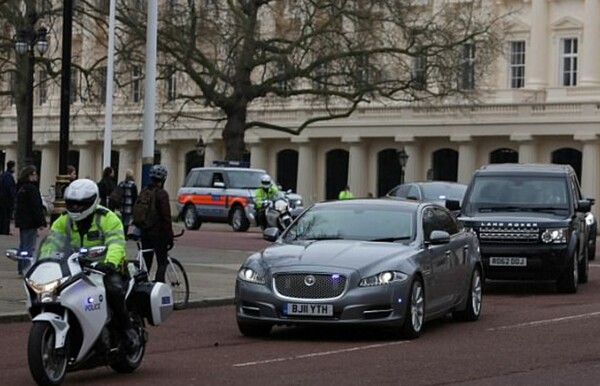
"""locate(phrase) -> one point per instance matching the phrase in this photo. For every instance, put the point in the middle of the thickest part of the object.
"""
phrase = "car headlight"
(250, 275)
(383, 278)
(556, 235)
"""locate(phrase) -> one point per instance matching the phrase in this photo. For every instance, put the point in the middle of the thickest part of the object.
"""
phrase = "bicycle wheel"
(176, 277)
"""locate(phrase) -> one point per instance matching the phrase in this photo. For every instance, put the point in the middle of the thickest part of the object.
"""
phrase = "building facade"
(545, 107)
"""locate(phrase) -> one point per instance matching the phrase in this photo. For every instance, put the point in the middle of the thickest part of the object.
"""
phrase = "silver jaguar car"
(381, 262)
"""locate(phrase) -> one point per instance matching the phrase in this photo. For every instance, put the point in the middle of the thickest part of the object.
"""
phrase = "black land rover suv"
(530, 220)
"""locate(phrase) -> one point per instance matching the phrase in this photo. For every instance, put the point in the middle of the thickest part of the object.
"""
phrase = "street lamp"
(25, 41)
(402, 158)
(200, 147)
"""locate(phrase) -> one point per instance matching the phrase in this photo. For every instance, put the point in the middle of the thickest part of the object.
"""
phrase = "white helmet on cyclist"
(81, 198)
(265, 181)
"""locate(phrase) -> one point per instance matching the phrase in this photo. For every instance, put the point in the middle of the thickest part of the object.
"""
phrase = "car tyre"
(239, 221)
(254, 330)
(414, 317)
(191, 220)
(474, 299)
(567, 282)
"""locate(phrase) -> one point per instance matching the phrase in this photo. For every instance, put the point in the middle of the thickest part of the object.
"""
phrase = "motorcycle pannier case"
(154, 301)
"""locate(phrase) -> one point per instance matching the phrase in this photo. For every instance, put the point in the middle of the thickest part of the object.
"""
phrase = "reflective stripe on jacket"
(106, 229)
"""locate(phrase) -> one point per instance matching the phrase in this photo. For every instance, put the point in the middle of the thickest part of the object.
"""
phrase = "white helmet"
(81, 198)
(265, 181)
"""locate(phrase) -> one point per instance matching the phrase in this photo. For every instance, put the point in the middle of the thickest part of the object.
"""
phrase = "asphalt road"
(527, 335)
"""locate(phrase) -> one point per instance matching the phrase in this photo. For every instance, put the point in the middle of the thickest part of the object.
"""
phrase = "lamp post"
(402, 158)
(25, 41)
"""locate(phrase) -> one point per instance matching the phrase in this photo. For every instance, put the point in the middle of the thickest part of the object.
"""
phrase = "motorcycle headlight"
(38, 288)
(556, 235)
(383, 278)
(250, 275)
(280, 205)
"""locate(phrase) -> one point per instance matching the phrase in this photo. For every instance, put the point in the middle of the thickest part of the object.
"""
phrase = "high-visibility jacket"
(106, 229)
(345, 194)
(261, 195)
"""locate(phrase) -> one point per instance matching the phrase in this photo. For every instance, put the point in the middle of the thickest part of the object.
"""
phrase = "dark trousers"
(159, 245)
(6, 213)
(115, 285)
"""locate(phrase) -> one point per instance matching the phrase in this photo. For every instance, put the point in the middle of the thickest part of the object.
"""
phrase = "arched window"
(504, 155)
(287, 169)
(568, 156)
(388, 171)
(445, 165)
(336, 175)
(193, 159)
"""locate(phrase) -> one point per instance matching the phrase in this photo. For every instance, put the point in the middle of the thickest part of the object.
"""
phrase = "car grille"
(499, 232)
(310, 286)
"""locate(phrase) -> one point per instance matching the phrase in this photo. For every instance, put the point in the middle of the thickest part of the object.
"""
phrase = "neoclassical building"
(545, 107)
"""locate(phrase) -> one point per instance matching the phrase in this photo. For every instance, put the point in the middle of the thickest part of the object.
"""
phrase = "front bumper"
(544, 262)
(377, 306)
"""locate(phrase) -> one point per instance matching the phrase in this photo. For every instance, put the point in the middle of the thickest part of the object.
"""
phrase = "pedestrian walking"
(152, 215)
(72, 173)
(8, 192)
(29, 214)
(105, 186)
(124, 196)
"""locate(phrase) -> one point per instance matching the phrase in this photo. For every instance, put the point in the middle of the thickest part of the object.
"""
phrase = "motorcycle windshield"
(49, 270)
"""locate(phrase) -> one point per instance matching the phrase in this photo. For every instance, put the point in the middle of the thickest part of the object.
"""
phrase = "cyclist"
(261, 197)
(87, 224)
(158, 236)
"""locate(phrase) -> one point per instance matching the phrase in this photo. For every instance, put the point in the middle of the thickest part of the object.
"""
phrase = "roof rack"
(230, 163)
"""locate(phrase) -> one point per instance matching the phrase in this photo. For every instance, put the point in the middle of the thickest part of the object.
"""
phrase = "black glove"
(105, 267)
(169, 244)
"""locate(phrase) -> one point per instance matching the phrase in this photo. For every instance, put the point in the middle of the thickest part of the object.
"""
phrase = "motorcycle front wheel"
(47, 365)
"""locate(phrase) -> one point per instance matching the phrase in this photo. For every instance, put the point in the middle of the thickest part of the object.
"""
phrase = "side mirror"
(12, 254)
(218, 184)
(271, 234)
(439, 237)
(591, 200)
(452, 205)
(584, 206)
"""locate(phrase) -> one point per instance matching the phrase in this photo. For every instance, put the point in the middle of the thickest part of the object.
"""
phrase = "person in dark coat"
(29, 214)
(159, 237)
(130, 193)
(106, 185)
(8, 191)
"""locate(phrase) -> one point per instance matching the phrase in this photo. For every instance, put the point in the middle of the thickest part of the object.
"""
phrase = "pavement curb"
(19, 317)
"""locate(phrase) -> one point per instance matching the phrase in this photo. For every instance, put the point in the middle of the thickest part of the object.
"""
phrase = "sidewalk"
(211, 274)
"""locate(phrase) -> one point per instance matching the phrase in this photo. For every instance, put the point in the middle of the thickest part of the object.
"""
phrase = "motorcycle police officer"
(88, 224)
(261, 197)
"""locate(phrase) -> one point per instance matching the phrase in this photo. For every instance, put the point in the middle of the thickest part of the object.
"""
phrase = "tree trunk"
(233, 134)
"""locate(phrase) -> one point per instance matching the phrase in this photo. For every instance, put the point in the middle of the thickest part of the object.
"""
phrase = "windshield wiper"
(392, 239)
(547, 209)
(503, 209)
(319, 238)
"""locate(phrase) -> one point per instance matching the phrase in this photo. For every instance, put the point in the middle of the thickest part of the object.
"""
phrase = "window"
(73, 87)
(516, 57)
(43, 86)
(466, 80)
(419, 72)
(568, 62)
(136, 83)
(171, 84)
(102, 75)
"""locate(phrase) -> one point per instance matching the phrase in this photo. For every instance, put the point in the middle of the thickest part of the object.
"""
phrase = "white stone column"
(414, 167)
(357, 167)
(259, 158)
(589, 167)
(467, 158)
(211, 153)
(590, 55)
(307, 171)
(87, 162)
(49, 167)
(168, 160)
(527, 148)
(10, 155)
(537, 57)
(127, 160)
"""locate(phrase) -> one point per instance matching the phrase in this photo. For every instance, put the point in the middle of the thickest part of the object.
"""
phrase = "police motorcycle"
(72, 328)
(277, 212)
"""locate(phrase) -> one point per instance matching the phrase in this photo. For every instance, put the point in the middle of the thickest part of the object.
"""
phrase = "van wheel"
(239, 221)
(191, 220)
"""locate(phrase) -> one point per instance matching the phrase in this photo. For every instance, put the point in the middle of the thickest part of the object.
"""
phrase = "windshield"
(244, 179)
(514, 193)
(357, 222)
(434, 192)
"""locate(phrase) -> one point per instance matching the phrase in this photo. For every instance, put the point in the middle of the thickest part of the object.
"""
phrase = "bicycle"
(175, 274)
